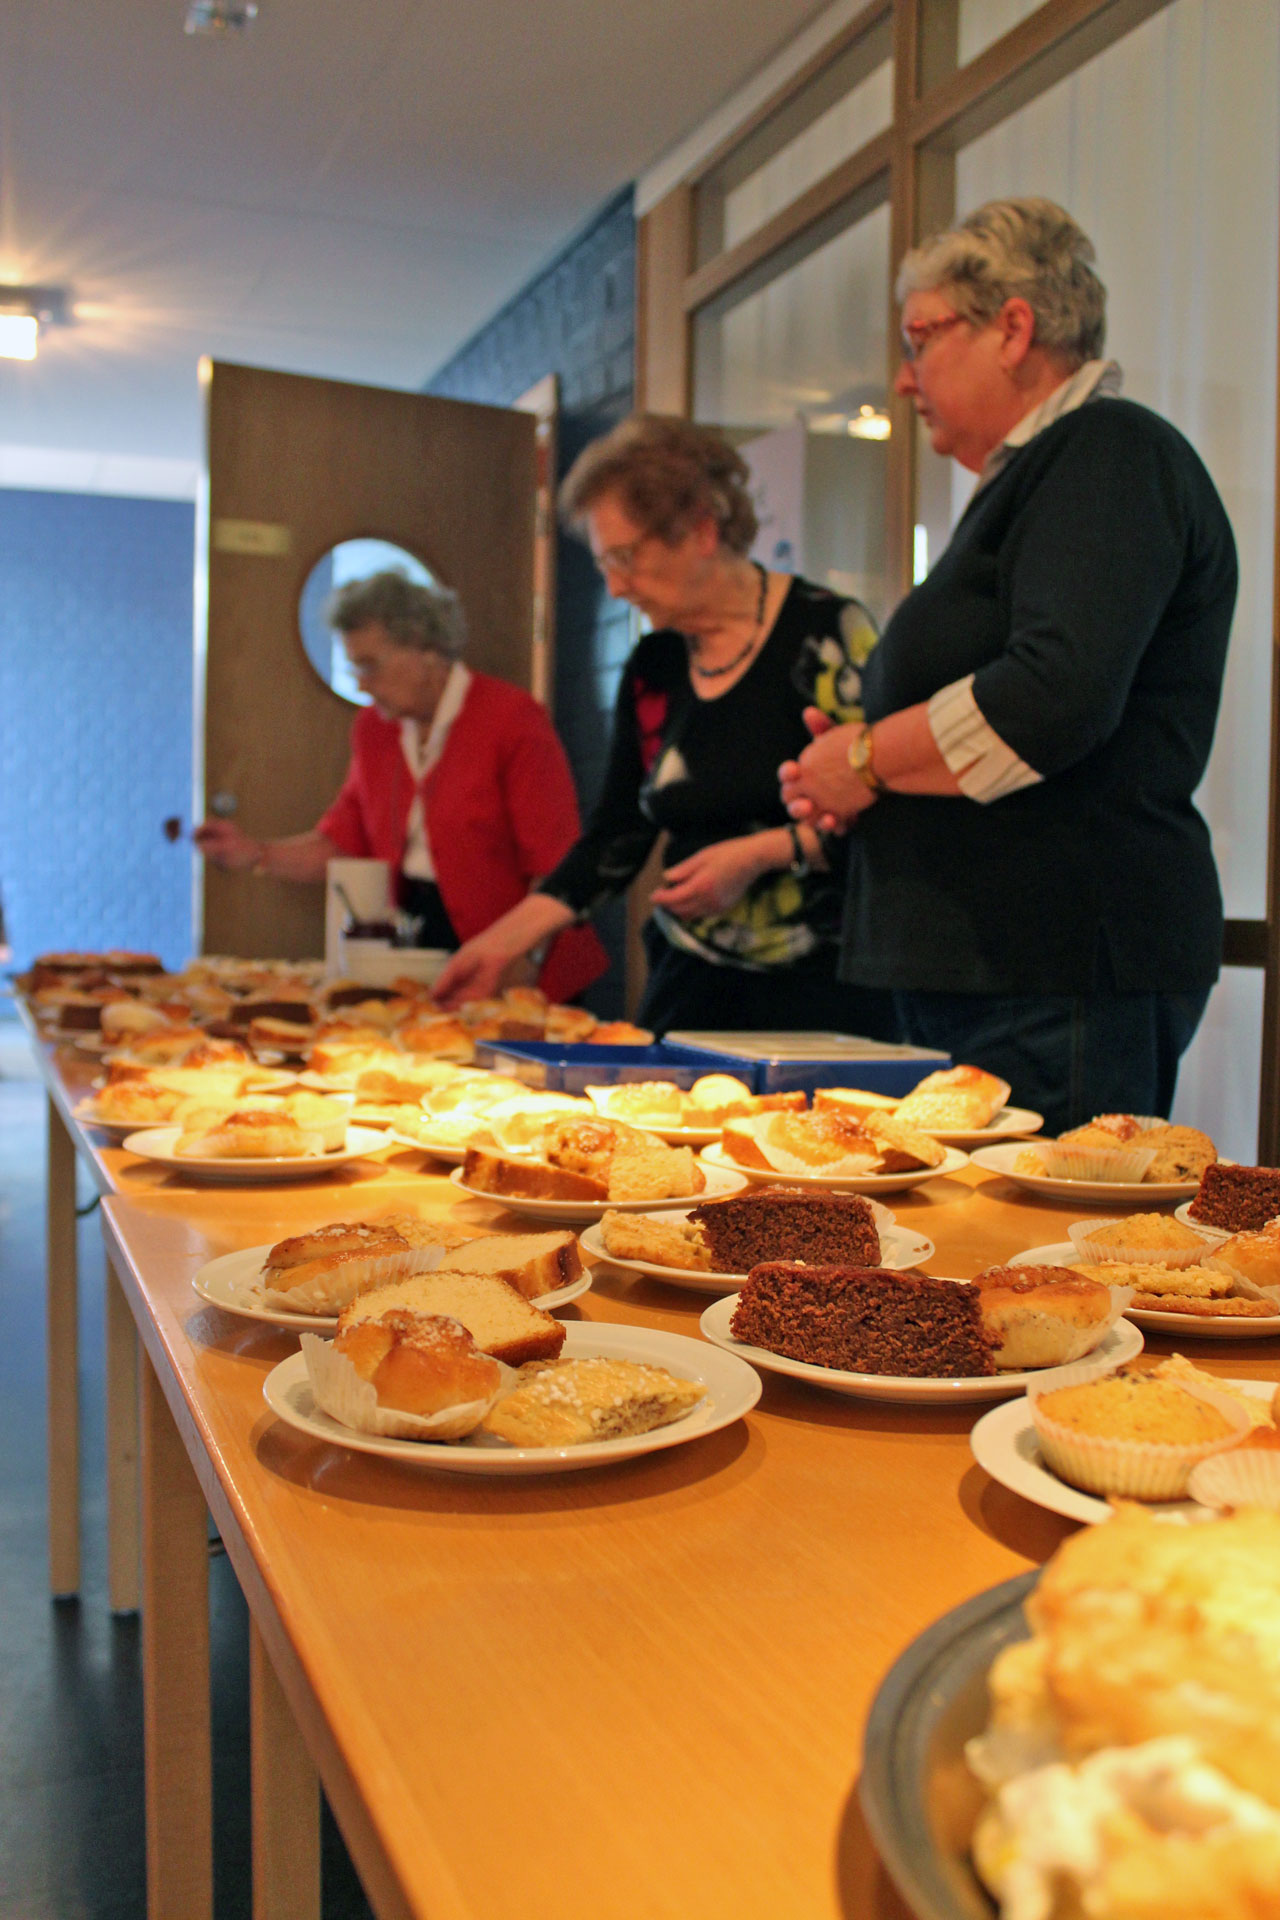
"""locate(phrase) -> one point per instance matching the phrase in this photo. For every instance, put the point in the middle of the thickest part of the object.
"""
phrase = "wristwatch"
(862, 760)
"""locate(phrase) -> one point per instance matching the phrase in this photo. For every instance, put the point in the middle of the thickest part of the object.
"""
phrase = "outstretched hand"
(226, 844)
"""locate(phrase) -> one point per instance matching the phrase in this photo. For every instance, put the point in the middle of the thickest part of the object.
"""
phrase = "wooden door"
(293, 466)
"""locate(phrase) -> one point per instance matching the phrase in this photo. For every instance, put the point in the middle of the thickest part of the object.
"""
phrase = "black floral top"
(707, 770)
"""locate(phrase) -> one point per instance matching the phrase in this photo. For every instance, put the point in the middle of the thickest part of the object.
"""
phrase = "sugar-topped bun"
(419, 1363)
(340, 1237)
(1043, 1316)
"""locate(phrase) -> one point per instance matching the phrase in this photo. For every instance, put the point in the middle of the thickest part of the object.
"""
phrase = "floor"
(71, 1810)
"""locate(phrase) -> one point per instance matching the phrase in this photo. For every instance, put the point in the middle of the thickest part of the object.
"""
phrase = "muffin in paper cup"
(1245, 1477)
(1069, 1162)
(1132, 1252)
(1130, 1469)
(353, 1402)
(335, 1288)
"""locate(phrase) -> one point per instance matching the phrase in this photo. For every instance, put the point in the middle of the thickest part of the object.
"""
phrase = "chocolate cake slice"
(866, 1320)
(787, 1223)
(1237, 1199)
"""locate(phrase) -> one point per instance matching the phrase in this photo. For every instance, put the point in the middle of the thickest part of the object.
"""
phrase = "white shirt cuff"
(986, 768)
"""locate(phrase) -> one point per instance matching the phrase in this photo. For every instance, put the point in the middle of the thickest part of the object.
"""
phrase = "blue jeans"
(1067, 1056)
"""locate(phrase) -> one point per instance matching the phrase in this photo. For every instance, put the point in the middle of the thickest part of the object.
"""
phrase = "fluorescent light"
(19, 333)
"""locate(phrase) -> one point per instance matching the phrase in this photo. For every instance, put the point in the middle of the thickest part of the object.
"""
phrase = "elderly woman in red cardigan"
(456, 779)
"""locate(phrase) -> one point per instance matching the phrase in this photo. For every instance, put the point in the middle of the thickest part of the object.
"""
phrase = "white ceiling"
(348, 189)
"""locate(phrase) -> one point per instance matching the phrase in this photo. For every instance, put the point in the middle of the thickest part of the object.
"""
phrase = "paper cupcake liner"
(1245, 1477)
(329, 1293)
(1252, 1289)
(1094, 1163)
(1132, 1252)
(1134, 1469)
(347, 1398)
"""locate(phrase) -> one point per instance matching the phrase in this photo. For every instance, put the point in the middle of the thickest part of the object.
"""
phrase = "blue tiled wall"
(576, 319)
(95, 721)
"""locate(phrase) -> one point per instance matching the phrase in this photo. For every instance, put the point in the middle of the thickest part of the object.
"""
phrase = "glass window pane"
(842, 107)
(982, 21)
(799, 363)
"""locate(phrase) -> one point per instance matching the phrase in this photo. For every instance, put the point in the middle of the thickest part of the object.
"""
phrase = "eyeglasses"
(621, 559)
(916, 338)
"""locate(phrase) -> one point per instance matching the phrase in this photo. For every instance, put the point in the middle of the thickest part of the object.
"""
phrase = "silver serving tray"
(918, 1796)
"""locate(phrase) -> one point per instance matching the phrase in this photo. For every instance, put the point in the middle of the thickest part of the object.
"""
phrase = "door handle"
(223, 804)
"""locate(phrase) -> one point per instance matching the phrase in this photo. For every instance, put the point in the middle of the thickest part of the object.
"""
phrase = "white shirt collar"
(1095, 380)
(423, 753)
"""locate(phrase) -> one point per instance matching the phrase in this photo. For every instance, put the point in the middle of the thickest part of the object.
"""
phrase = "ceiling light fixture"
(220, 16)
(23, 311)
(870, 423)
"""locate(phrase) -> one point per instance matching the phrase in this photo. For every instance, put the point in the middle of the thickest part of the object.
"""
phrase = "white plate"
(1205, 1326)
(732, 1390)
(1090, 1192)
(228, 1282)
(1121, 1343)
(716, 1157)
(580, 1213)
(452, 1154)
(899, 1249)
(1004, 1442)
(157, 1143)
(1215, 1234)
(1011, 1123)
(84, 1116)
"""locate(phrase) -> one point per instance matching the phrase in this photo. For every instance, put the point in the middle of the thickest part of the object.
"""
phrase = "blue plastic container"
(559, 1068)
(785, 1063)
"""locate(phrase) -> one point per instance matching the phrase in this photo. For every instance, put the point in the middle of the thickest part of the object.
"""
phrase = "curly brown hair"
(667, 474)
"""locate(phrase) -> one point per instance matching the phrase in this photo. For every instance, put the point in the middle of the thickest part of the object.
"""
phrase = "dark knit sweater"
(1089, 589)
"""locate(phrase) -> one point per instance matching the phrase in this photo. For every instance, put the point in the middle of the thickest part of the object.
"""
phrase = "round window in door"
(349, 560)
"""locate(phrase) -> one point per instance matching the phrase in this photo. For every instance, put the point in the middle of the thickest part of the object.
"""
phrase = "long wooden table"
(637, 1690)
(68, 1074)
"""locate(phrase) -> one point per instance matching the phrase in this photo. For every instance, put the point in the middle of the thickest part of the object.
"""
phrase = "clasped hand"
(821, 787)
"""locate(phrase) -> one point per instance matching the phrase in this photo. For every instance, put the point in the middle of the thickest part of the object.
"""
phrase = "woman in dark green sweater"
(1028, 871)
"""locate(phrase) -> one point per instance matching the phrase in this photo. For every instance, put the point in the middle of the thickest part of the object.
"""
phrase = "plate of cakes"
(1184, 1281)
(922, 1339)
(583, 1165)
(252, 1144)
(1115, 1157)
(1232, 1199)
(307, 1280)
(1161, 1436)
(960, 1106)
(478, 1380)
(712, 1247)
(490, 1117)
(687, 1117)
(1099, 1736)
(825, 1147)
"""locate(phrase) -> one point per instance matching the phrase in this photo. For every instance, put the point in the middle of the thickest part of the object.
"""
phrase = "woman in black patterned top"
(745, 923)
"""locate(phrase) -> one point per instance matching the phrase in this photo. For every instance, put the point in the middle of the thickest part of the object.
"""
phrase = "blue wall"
(576, 318)
(95, 721)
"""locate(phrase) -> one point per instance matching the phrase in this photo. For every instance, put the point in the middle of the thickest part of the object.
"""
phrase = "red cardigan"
(500, 812)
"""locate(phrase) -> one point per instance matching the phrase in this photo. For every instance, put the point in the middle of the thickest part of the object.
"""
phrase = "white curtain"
(1167, 150)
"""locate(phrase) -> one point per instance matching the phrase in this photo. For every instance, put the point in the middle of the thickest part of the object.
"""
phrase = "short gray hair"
(429, 619)
(1017, 250)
